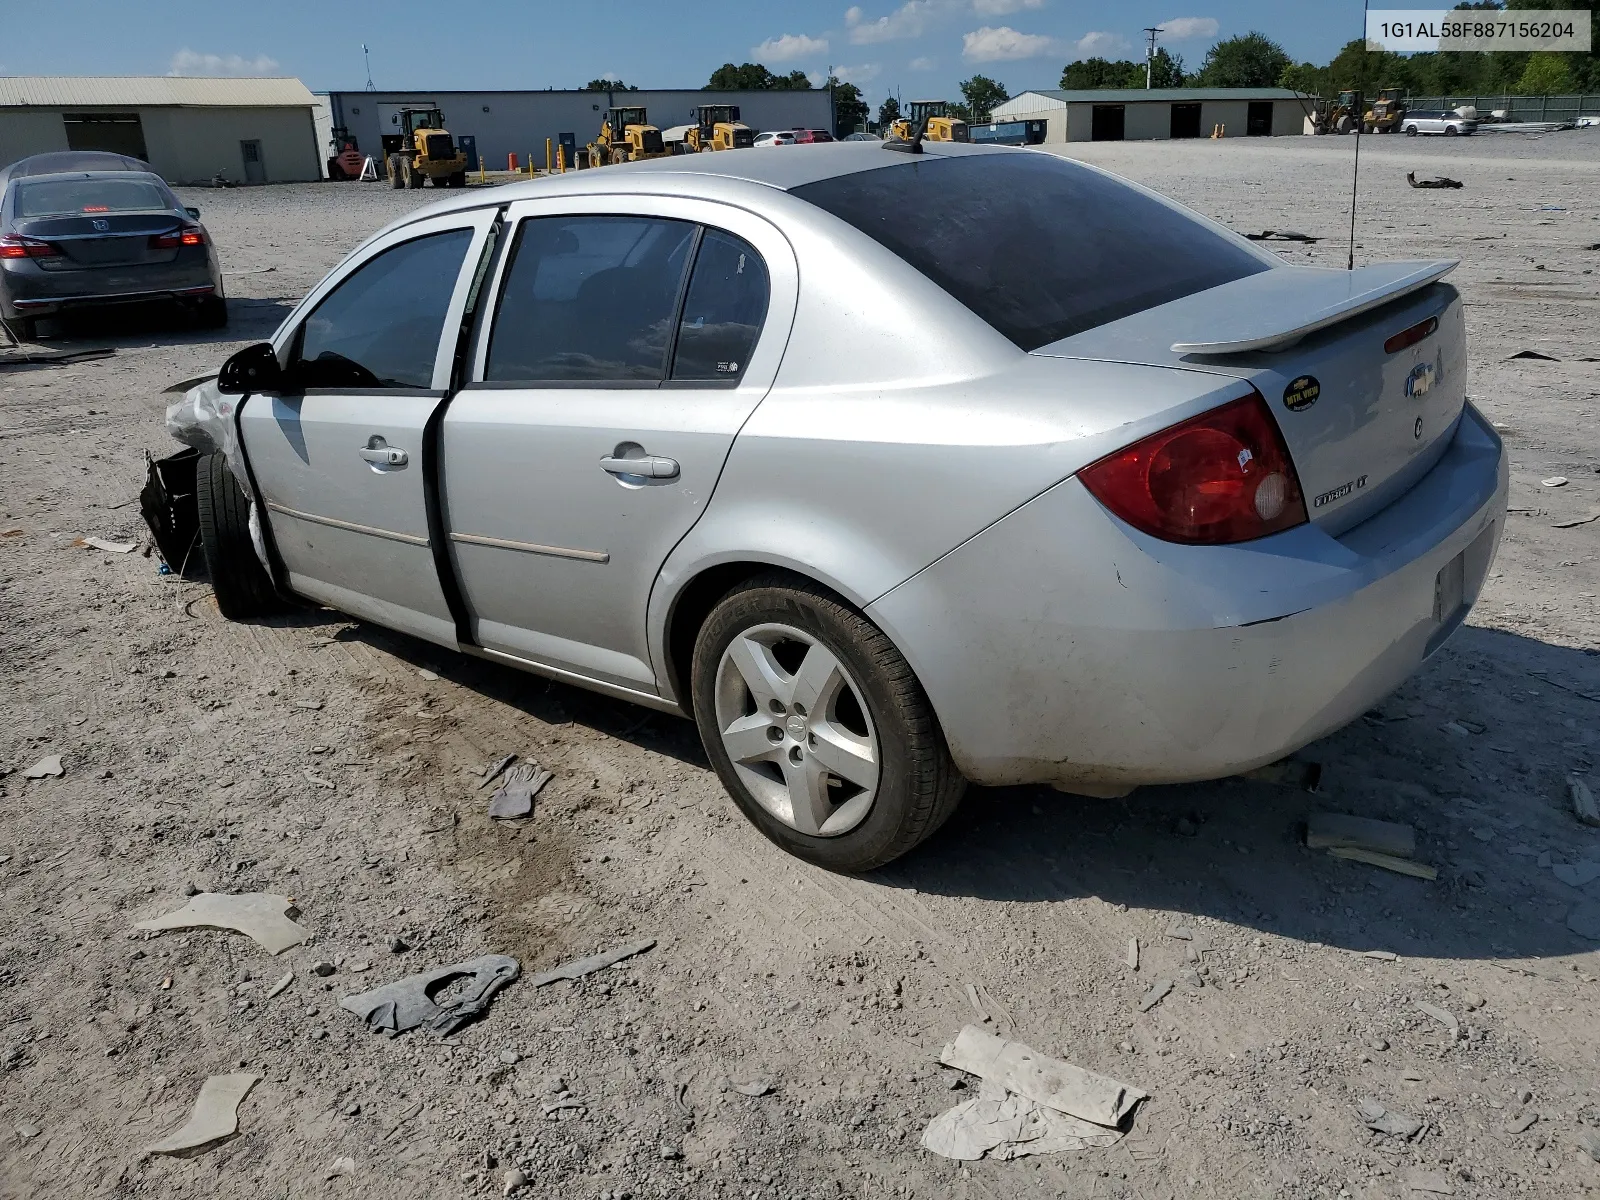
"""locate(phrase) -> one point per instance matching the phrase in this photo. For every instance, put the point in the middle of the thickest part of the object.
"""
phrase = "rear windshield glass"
(57, 197)
(1039, 247)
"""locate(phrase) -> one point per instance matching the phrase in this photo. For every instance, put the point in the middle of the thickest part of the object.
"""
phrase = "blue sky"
(920, 48)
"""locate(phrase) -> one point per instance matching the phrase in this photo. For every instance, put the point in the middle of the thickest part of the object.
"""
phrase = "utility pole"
(833, 113)
(1150, 52)
(367, 56)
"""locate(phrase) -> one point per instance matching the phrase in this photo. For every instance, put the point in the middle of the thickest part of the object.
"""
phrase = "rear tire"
(213, 313)
(242, 586)
(916, 785)
(1411, 131)
(1451, 131)
(26, 328)
(459, 179)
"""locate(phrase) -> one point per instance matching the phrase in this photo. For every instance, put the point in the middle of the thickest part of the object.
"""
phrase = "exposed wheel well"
(694, 605)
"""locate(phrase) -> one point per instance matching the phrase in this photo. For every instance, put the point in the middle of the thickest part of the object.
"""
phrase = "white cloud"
(907, 21)
(1181, 29)
(189, 62)
(1004, 44)
(860, 75)
(1000, 8)
(1102, 45)
(789, 47)
(922, 64)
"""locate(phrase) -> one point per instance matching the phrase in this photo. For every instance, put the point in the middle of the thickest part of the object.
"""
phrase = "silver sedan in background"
(892, 470)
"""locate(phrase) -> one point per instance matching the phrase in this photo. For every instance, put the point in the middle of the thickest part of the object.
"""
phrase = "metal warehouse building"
(502, 123)
(189, 130)
(1130, 114)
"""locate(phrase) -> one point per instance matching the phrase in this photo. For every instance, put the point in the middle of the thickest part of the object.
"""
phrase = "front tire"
(397, 179)
(818, 728)
(241, 584)
(1411, 131)
(1451, 131)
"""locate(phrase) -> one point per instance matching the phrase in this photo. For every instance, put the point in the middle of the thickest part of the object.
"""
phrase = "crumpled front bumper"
(1061, 646)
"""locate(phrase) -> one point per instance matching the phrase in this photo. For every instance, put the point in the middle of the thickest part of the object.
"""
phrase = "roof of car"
(71, 162)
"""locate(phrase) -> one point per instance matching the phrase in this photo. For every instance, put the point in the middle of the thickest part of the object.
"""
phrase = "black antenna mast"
(1355, 174)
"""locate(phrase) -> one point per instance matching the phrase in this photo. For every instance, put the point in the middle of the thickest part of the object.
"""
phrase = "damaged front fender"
(207, 421)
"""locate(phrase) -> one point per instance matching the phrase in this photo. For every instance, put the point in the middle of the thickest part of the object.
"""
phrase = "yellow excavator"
(424, 150)
(940, 127)
(625, 134)
(718, 127)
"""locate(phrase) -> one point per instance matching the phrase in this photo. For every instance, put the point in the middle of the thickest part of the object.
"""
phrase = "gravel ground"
(330, 761)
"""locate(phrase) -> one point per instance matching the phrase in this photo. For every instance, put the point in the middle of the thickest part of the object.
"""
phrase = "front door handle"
(380, 454)
(648, 467)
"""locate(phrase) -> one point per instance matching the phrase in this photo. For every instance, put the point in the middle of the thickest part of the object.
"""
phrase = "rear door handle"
(650, 467)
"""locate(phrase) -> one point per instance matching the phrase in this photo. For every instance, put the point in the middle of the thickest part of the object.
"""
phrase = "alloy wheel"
(794, 725)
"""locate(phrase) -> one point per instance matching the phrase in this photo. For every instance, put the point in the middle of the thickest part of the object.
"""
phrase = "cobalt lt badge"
(1420, 379)
(1301, 393)
(1416, 430)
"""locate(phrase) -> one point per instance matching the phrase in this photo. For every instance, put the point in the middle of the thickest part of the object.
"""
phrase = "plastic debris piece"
(1440, 182)
(407, 1003)
(1380, 955)
(214, 1118)
(1326, 830)
(1583, 802)
(1433, 1183)
(494, 771)
(411, 1111)
(977, 1003)
(1554, 481)
(1386, 1120)
(1157, 993)
(1589, 1142)
(1444, 1017)
(1402, 866)
(756, 1087)
(48, 766)
(1523, 1123)
(1012, 1127)
(258, 915)
(1281, 235)
(1048, 1081)
(275, 989)
(580, 967)
(1576, 521)
(338, 1167)
(1133, 953)
(1533, 354)
(108, 547)
(513, 799)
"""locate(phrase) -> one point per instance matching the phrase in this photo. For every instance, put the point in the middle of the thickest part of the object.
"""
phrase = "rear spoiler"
(1274, 309)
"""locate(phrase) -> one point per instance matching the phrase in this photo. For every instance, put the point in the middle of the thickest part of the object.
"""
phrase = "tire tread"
(242, 586)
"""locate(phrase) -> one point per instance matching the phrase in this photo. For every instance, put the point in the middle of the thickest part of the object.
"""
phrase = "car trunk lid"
(1364, 416)
(108, 240)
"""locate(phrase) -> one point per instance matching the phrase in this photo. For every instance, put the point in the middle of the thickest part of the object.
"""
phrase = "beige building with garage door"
(1136, 114)
(188, 130)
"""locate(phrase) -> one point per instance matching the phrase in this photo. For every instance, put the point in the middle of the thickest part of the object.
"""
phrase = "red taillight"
(1224, 476)
(188, 235)
(15, 246)
(1410, 337)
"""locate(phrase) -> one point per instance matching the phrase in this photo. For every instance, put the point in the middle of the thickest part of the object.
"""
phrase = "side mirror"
(193, 212)
(253, 369)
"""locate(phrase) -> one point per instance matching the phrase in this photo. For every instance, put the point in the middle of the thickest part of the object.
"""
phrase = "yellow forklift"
(934, 119)
(718, 127)
(625, 134)
(424, 150)
(1387, 111)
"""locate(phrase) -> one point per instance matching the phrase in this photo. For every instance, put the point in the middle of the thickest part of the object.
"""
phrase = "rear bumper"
(1061, 646)
(28, 290)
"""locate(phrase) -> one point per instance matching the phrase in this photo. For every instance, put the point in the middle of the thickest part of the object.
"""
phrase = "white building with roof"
(1140, 114)
(189, 130)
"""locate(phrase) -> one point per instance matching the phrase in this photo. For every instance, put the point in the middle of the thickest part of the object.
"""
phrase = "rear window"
(59, 197)
(1039, 247)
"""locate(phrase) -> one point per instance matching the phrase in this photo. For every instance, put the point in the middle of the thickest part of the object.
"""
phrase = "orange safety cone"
(511, 162)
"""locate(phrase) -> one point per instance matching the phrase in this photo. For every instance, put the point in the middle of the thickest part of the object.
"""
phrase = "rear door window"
(380, 327)
(1039, 247)
(723, 311)
(64, 197)
(589, 299)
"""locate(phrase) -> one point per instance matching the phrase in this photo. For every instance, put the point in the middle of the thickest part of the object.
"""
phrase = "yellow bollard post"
(561, 159)
(482, 177)
(531, 167)
(547, 159)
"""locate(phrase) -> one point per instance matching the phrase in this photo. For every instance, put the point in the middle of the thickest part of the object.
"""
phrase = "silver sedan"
(890, 469)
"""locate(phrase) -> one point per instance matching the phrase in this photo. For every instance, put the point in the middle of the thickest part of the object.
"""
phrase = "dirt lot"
(323, 759)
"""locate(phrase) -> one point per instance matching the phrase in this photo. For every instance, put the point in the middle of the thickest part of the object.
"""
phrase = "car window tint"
(380, 327)
(59, 197)
(1039, 247)
(723, 311)
(589, 299)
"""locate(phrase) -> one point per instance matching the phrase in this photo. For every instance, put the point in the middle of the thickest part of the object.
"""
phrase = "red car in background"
(805, 137)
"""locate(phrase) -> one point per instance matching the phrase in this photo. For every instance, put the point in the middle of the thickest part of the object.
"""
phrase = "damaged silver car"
(1069, 486)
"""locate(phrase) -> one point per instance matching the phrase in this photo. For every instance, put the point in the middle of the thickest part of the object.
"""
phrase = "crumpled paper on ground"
(1005, 1126)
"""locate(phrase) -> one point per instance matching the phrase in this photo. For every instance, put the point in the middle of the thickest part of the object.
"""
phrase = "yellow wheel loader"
(1387, 111)
(717, 127)
(424, 150)
(934, 119)
(625, 134)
